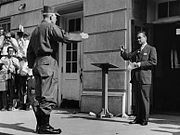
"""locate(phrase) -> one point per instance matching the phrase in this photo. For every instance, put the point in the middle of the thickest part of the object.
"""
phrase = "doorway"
(166, 85)
(71, 60)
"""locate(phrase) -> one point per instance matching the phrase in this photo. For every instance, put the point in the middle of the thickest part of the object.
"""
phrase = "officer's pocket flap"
(45, 71)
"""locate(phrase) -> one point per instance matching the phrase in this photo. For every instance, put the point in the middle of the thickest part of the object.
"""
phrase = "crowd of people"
(14, 71)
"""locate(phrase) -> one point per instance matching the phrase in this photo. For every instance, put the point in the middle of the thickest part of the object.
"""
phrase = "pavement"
(72, 122)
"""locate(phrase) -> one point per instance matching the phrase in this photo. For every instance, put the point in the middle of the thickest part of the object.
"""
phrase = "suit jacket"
(148, 59)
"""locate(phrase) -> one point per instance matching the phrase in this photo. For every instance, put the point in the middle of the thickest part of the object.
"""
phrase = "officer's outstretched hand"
(84, 35)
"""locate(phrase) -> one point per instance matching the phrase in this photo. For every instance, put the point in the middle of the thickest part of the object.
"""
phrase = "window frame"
(7, 23)
(70, 63)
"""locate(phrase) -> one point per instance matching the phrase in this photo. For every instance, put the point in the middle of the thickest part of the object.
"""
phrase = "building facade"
(110, 25)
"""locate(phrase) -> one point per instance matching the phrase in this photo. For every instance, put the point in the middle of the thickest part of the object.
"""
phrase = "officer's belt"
(44, 54)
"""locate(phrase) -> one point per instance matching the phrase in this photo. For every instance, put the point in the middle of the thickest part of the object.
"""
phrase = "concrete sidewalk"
(73, 123)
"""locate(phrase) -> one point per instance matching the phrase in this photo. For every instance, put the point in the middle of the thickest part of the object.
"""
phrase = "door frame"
(62, 55)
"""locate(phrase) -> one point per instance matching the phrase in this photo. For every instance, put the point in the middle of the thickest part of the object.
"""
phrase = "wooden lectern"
(105, 67)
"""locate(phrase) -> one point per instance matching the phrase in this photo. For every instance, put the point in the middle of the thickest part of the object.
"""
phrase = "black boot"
(38, 117)
(38, 123)
(46, 128)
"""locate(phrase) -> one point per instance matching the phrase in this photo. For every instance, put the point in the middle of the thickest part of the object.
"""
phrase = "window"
(175, 50)
(163, 10)
(174, 8)
(74, 25)
(5, 23)
(71, 58)
(168, 9)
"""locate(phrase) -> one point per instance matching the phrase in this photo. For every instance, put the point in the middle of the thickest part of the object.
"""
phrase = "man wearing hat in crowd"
(41, 53)
(21, 78)
(23, 42)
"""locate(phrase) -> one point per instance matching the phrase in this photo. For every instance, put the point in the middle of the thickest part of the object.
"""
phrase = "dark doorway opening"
(166, 85)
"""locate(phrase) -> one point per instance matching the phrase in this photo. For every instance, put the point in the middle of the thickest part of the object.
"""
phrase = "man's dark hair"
(20, 34)
(13, 35)
(143, 32)
(46, 15)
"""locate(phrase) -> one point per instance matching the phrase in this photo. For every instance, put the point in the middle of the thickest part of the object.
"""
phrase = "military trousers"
(45, 72)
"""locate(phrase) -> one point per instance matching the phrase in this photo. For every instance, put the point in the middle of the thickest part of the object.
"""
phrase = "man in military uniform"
(41, 52)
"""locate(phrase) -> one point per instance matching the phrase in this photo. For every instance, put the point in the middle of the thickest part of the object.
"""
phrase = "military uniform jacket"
(45, 41)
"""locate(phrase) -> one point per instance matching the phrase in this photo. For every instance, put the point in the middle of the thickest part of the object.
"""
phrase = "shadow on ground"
(170, 123)
(165, 119)
(164, 131)
(16, 126)
(157, 118)
(1, 133)
(73, 113)
(94, 118)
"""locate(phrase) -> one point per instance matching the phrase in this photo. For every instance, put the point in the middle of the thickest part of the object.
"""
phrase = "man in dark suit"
(142, 61)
